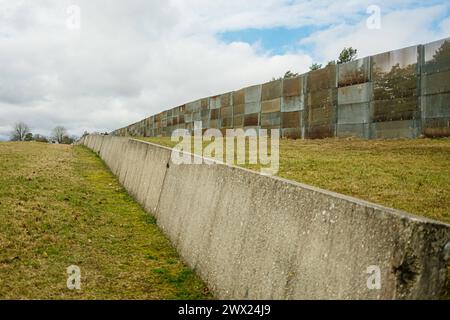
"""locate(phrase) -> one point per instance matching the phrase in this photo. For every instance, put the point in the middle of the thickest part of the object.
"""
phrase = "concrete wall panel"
(395, 129)
(355, 94)
(256, 237)
(354, 113)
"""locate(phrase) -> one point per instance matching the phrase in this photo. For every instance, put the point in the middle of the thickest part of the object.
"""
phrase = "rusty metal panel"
(394, 110)
(204, 103)
(193, 106)
(227, 122)
(269, 120)
(206, 113)
(226, 112)
(293, 103)
(321, 115)
(353, 113)
(354, 72)
(238, 109)
(252, 107)
(238, 121)
(214, 124)
(214, 102)
(226, 100)
(322, 79)
(271, 105)
(215, 114)
(253, 94)
(358, 130)
(355, 94)
(436, 83)
(197, 116)
(436, 56)
(395, 129)
(326, 97)
(239, 97)
(290, 119)
(188, 117)
(251, 120)
(271, 90)
(294, 86)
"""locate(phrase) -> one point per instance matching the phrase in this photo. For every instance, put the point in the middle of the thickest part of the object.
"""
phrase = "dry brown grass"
(60, 206)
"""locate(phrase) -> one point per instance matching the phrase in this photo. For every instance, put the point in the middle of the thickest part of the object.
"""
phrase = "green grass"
(60, 206)
(410, 175)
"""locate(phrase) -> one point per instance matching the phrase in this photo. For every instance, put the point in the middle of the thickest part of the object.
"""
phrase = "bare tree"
(20, 132)
(59, 133)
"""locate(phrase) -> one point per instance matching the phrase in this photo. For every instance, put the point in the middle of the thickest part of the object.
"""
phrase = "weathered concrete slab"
(271, 90)
(290, 119)
(353, 113)
(269, 106)
(251, 120)
(270, 119)
(436, 56)
(354, 72)
(357, 130)
(252, 107)
(395, 129)
(436, 83)
(435, 106)
(293, 103)
(322, 79)
(294, 86)
(253, 94)
(358, 93)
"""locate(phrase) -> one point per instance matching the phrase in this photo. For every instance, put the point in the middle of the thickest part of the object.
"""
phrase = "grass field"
(60, 206)
(410, 175)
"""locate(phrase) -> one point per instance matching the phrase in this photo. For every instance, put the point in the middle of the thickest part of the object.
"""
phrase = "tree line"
(22, 132)
(347, 55)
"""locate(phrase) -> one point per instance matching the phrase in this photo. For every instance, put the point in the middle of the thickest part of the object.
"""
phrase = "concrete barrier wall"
(398, 94)
(255, 237)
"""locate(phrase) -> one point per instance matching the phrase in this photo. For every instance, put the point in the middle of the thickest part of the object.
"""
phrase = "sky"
(99, 65)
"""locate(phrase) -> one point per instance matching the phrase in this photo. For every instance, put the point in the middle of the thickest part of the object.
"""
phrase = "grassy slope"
(410, 175)
(60, 206)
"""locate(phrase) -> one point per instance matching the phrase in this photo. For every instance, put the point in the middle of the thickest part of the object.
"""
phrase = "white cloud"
(399, 29)
(131, 59)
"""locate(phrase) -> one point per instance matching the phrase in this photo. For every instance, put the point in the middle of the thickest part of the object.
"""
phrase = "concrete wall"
(398, 94)
(256, 237)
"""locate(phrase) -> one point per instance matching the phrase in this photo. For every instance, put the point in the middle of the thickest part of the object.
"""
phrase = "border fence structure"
(403, 93)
